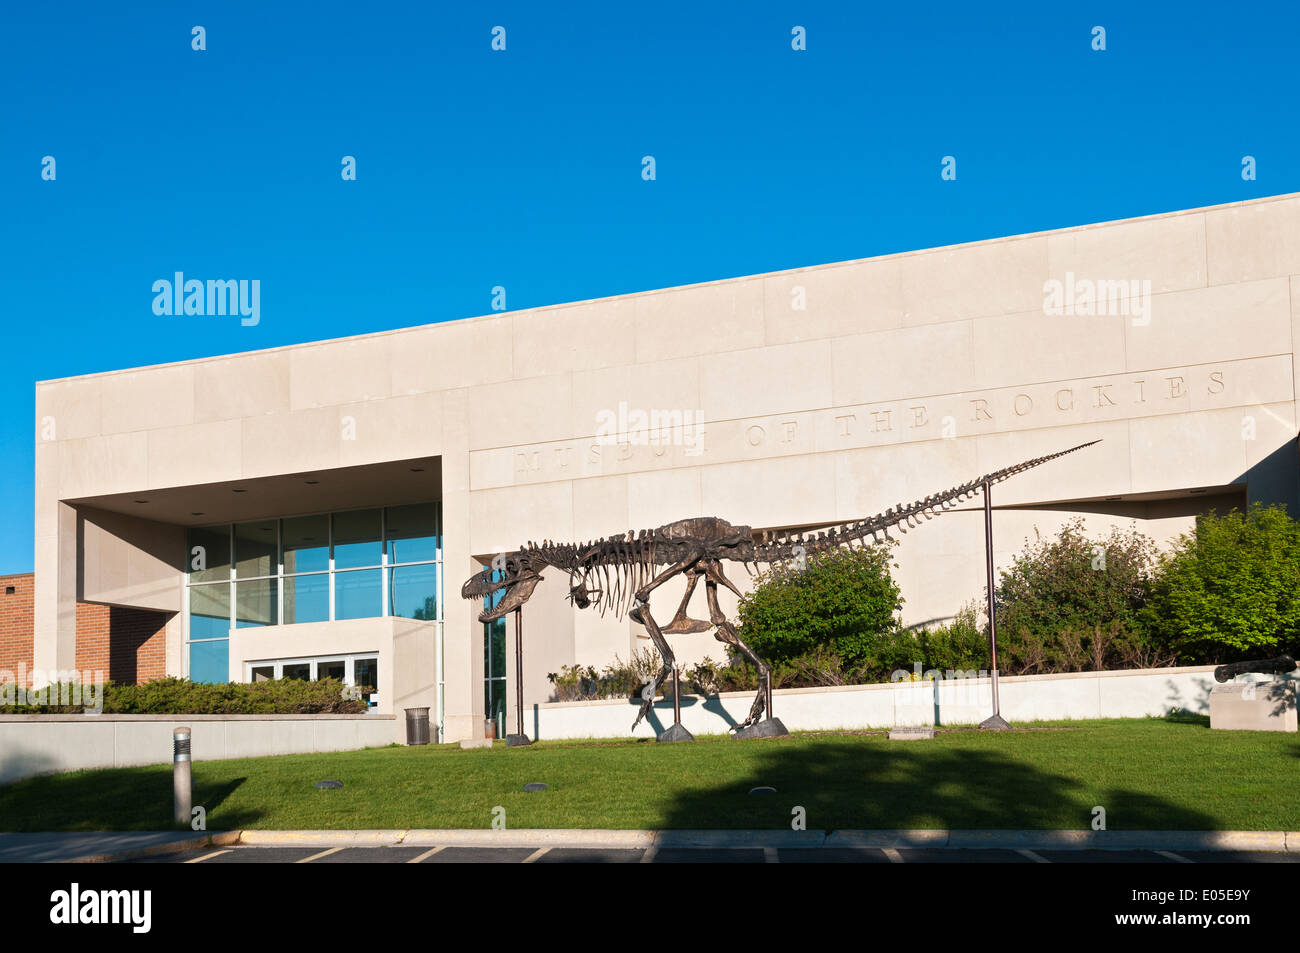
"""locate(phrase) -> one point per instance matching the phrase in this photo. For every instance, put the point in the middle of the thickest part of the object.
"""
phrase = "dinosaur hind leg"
(727, 633)
(665, 652)
(681, 623)
(640, 612)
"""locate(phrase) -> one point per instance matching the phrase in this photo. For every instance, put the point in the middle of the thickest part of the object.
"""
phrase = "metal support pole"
(994, 722)
(519, 738)
(677, 697)
(181, 779)
(767, 694)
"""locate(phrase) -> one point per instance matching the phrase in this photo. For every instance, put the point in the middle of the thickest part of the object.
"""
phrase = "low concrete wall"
(45, 744)
(1124, 694)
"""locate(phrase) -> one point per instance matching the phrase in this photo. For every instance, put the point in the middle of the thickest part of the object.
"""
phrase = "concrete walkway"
(108, 847)
(92, 847)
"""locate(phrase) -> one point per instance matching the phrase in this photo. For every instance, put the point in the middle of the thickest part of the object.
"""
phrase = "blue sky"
(522, 168)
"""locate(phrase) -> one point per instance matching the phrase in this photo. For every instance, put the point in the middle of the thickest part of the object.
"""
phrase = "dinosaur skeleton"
(619, 573)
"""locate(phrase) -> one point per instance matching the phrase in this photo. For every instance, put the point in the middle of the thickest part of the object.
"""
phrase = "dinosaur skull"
(515, 580)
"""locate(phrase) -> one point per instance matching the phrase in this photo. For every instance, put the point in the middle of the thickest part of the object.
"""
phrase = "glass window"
(255, 549)
(209, 553)
(210, 661)
(412, 533)
(494, 649)
(356, 539)
(300, 670)
(413, 592)
(306, 544)
(365, 676)
(210, 611)
(263, 673)
(494, 667)
(256, 602)
(358, 594)
(335, 668)
(306, 598)
(315, 568)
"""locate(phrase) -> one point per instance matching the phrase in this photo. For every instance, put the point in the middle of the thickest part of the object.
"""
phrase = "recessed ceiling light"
(142, 501)
(311, 482)
(238, 491)
(417, 469)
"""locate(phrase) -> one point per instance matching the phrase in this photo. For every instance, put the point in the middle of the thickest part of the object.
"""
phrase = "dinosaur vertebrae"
(780, 547)
(615, 568)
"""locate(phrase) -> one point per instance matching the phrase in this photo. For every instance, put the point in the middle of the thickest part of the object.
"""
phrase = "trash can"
(417, 726)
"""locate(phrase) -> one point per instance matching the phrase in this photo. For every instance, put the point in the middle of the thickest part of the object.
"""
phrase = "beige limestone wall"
(827, 392)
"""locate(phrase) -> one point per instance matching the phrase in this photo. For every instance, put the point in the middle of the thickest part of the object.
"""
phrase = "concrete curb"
(1276, 841)
(222, 839)
(1273, 841)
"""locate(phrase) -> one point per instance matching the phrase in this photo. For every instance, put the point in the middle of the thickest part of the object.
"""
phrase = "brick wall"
(127, 645)
(16, 624)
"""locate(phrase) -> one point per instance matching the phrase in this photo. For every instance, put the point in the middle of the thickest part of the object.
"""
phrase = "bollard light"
(181, 775)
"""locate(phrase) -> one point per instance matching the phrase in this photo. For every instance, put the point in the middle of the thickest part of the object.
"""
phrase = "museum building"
(314, 509)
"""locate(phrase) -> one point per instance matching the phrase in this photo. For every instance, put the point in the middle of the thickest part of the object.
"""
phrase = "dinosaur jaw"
(517, 592)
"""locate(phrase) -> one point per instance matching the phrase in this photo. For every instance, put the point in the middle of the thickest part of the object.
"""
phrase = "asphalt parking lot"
(748, 855)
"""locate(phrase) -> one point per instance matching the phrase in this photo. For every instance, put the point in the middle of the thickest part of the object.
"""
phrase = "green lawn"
(1171, 774)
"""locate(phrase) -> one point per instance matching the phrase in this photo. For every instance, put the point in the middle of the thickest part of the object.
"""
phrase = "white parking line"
(324, 853)
(894, 856)
(1036, 858)
(1172, 856)
(769, 856)
(535, 854)
(428, 853)
(208, 856)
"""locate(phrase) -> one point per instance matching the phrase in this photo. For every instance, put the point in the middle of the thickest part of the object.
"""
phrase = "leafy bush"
(179, 696)
(844, 602)
(1073, 583)
(1080, 650)
(960, 645)
(1231, 588)
(619, 679)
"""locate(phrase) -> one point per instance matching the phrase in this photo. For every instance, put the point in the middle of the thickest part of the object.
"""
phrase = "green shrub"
(1231, 588)
(619, 679)
(179, 696)
(1102, 648)
(960, 645)
(844, 601)
(1073, 583)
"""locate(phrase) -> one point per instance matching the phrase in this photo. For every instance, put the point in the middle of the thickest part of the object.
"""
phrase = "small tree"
(844, 600)
(1231, 587)
(1072, 583)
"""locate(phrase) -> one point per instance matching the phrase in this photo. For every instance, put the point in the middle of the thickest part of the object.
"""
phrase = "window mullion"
(383, 560)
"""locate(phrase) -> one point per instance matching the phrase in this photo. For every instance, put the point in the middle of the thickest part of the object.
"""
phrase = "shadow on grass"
(906, 786)
(1186, 718)
(120, 799)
